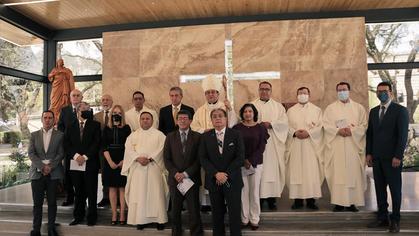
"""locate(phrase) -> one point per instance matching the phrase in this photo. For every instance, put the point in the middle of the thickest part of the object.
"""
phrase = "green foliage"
(20, 158)
(411, 155)
(12, 137)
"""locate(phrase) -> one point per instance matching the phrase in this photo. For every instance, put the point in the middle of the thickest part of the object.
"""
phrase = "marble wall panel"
(312, 53)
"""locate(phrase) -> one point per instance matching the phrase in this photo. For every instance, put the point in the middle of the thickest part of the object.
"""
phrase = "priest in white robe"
(345, 124)
(303, 157)
(202, 121)
(146, 192)
(132, 116)
(273, 116)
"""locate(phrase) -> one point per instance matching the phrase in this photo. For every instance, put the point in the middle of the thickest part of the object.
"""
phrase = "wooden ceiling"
(66, 14)
(17, 36)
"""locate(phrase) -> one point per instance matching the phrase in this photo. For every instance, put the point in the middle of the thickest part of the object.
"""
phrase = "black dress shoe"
(352, 208)
(378, 224)
(35, 233)
(394, 227)
(160, 226)
(296, 206)
(52, 232)
(75, 222)
(103, 203)
(272, 203)
(338, 208)
(312, 206)
(67, 203)
(254, 227)
(91, 222)
(140, 227)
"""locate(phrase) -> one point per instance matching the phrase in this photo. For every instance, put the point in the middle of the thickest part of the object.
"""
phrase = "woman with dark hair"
(255, 137)
(114, 136)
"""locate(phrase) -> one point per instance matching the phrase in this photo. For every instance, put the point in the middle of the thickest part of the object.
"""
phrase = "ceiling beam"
(22, 74)
(15, 18)
(371, 16)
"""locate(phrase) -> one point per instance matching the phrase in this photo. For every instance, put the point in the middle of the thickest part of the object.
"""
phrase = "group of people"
(216, 160)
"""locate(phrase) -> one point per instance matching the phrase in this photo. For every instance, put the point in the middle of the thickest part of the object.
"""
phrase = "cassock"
(273, 175)
(303, 157)
(146, 191)
(132, 118)
(344, 162)
(201, 122)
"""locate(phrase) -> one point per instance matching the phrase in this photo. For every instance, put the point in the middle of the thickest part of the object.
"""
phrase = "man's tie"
(219, 142)
(183, 140)
(382, 110)
(175, 111)
(106, 117)
(81, 129)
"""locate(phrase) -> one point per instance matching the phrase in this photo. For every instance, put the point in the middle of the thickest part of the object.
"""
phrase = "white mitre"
(211, 82)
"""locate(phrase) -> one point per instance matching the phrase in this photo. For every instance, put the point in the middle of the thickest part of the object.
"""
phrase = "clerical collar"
(264, 100)
(212, 103)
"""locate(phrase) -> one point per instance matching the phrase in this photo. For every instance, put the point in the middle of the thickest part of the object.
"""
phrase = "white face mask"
(302, 98)
(343, 95)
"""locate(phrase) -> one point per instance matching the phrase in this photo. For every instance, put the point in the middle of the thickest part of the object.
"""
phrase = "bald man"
(103, 117)
(68, 116)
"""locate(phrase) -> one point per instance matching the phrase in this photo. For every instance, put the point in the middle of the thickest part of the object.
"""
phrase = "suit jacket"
(230, 161)
(67, 118)
(387, 139)
(89, 144)
(166, 122)
(99, 117)
(55, 154)
(177, 161)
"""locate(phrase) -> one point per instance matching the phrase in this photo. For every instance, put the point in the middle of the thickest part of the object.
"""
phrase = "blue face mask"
(343, 95)
(383, 97)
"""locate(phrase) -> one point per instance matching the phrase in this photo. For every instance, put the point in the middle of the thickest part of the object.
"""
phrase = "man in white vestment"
(303, 157)
(273, 116)
(132, 116)
(146, 191)
(202, 121)
(345, 124)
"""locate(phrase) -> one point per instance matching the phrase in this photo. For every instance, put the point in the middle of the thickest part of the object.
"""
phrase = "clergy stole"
(341, 151)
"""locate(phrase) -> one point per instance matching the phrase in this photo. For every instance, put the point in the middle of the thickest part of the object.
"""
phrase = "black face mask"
(87, 114)
(116, 119)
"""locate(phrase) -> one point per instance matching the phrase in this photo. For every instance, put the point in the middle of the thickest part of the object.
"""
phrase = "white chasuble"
(344, 157)
(303, 157)
(146, 191)
(202, 120)
(273, 175)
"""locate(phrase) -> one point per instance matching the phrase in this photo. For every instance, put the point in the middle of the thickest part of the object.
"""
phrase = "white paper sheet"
(185, 185)
(74, 165)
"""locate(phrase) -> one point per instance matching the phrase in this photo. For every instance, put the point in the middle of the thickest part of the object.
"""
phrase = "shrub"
(12, 137)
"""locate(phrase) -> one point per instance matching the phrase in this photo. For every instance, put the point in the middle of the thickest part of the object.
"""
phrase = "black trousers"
(68, 183)
(231, 196)
(105, 189)
(192, 201)
(385, 175)
(85, 186)
(39, 187)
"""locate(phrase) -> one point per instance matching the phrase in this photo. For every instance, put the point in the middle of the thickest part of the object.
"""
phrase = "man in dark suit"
(68, 119)
(386, 141)
(167, 117)
(103, 117)
(222, 155)
(182, 161)
(84, 142)
(46, 152)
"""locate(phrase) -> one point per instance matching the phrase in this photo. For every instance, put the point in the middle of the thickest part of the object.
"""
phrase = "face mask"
(116, 119)
(87, 114)
(302, 98)
(383, 97)
(343, 95)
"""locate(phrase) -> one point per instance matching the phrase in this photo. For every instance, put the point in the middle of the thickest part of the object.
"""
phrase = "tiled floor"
(22, 195)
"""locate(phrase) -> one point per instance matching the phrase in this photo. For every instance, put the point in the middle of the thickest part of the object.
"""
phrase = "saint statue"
(62, 82)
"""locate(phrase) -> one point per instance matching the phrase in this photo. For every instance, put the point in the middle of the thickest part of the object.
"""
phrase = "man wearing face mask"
(84, 141)
(345, 123)
(303, 158)
(386, 140)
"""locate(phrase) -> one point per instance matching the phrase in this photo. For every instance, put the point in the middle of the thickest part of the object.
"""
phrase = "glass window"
(20, 49)
(406, 86)
(20, 113)
(392, 42)
(92, 93)
(82, 57)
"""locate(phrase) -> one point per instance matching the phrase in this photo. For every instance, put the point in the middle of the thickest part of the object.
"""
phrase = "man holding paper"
(84, 143)
(345, 123)
(46, 152)
(182, 162)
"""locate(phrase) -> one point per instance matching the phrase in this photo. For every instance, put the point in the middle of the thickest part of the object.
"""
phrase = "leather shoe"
(35, 233)
(75, 222)
(378, 224)
(352, 208)
(52, 232)
(338, 208)
(91, 222)
(67, 203)
(394, 227)
(141, 227)
(312, 206)
(160, 227)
